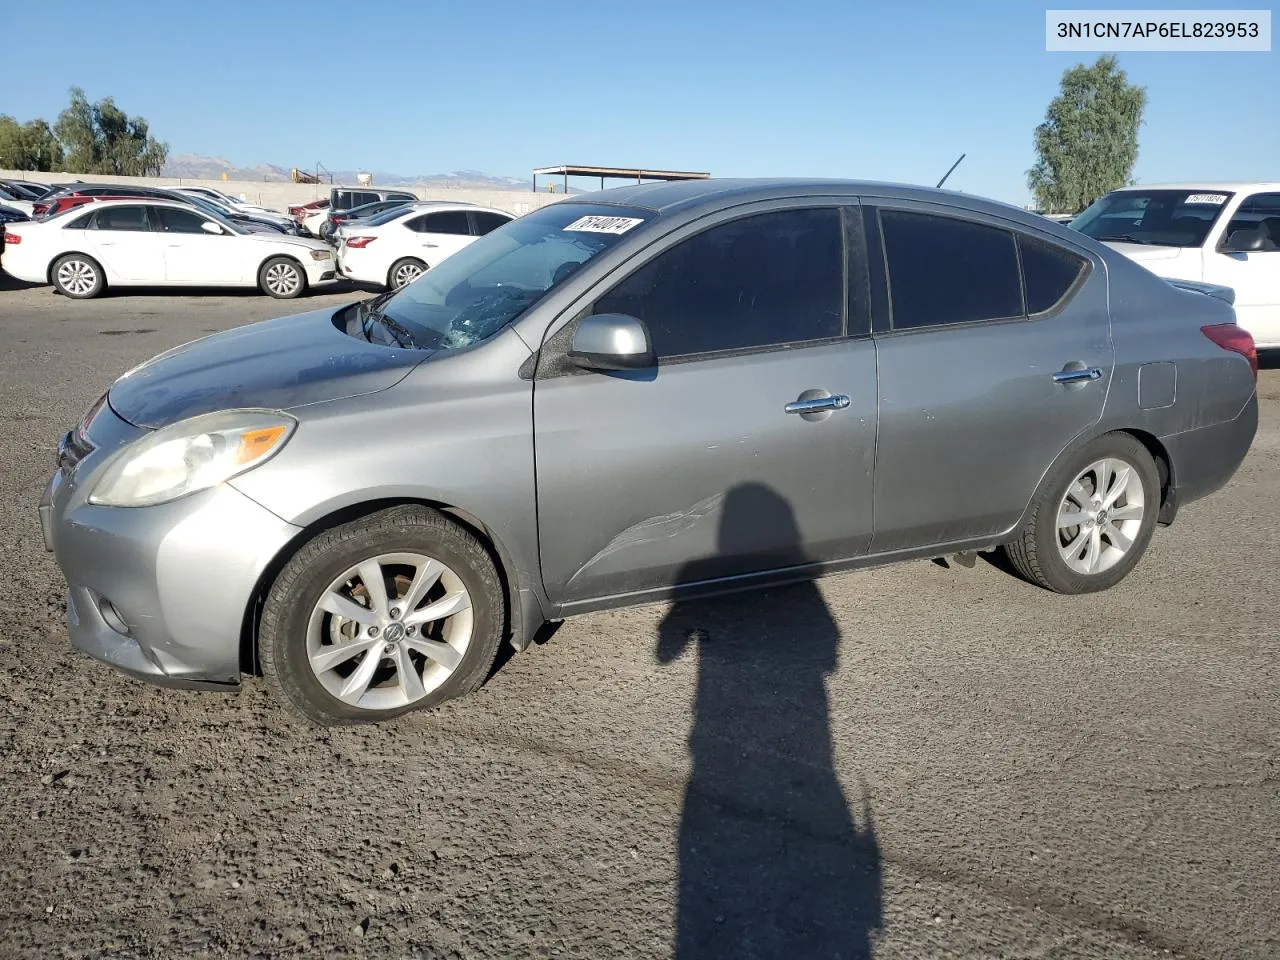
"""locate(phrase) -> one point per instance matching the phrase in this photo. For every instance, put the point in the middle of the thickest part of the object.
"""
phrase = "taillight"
(1230, 336)
(11, 239)
(359, 242)
(39, 209)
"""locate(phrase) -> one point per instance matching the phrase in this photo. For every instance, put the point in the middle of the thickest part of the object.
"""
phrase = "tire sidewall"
(319, 563)
(1115, 446)
(88, 261)
(265, 288)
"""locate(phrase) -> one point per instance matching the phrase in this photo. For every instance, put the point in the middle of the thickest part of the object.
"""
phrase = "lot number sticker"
(1217, 198)
(603, 224)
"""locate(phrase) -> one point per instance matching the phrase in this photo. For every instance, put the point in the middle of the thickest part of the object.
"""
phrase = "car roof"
(1234, 186)
(681, 195)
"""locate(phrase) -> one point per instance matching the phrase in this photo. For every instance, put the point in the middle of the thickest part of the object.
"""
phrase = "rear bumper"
(1204, 459)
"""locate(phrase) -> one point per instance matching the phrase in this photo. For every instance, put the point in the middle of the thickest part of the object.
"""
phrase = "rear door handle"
(431, 244)
(835, 402)
(1076, 376)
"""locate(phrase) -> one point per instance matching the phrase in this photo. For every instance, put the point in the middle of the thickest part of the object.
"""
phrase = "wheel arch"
(1154, 446)
(48, 271)
(257, 274)
(524, 611)
(391, 269)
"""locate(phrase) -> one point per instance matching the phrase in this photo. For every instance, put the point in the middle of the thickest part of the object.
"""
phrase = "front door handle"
(431, 244)
(835, 402)
(1076, 376)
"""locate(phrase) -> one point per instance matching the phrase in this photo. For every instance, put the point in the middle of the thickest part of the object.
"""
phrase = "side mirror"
(612, 341)
(210, 227)
(1245, 241)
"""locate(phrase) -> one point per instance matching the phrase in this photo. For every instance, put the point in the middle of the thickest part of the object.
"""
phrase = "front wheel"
(395, 612)
(282, 278)
(1092, 519)
(404, 272)
(78, 276)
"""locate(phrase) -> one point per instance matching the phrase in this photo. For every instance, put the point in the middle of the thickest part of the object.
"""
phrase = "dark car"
(72, 195)
(339, 217)
(26, 189)
(9, 215)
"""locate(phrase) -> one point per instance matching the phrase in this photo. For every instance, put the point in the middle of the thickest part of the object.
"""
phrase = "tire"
(1072, 558)
(282, 278)
(77, 276)
(302, 639)
(326, 231)
(404, 271)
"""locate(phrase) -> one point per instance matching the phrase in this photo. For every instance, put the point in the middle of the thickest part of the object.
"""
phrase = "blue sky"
(891, 91)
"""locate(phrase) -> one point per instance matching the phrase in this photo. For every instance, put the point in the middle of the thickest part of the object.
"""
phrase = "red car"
(300, 211)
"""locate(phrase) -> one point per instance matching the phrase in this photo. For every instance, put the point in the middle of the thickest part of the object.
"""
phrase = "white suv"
(1222, 233)
(398, 246)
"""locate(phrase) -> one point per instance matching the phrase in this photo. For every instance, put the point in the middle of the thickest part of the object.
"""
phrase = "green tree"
(28, 146)
(1088, 142)
(101, 138)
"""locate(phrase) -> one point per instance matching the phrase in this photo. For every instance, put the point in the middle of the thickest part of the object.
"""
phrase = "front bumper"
(321, 272)
(159, 592)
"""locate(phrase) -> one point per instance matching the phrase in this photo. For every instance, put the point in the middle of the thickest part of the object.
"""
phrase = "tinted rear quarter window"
(943, 270)
(1048, 272)
(763, 280)
(488, 222)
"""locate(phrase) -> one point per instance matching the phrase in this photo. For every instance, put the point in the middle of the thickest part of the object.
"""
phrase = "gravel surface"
(994, 771)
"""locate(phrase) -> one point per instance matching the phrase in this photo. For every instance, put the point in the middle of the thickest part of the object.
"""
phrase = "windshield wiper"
(1129, 238)
(372, 312)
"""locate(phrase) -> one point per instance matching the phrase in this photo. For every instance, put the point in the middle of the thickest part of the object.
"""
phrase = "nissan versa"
(365, 502)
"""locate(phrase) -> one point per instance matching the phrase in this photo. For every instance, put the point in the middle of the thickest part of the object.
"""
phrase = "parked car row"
(148, 241)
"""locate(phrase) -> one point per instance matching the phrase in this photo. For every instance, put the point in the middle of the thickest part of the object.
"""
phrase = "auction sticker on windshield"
(598, 224)
(1207, 198)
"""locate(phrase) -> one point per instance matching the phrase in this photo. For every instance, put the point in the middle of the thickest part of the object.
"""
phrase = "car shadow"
(8, 282)
(772, 862)
(1269, 359)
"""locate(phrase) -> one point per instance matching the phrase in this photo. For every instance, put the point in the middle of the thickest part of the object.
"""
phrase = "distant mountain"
(196, 167)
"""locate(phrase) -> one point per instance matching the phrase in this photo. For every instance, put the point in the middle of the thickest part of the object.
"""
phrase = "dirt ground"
(913, 761)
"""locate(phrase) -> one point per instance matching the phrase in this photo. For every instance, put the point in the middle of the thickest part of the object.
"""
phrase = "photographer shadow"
(771, 861)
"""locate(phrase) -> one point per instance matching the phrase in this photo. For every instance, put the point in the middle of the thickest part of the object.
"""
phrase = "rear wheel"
(78, 276)
(1092, 519)
(395, 612)
(405, 271)
(282, 278)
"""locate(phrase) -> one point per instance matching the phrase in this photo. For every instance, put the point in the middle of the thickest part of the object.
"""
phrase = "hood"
(277, 364)
(272, 235)
(1142, 252)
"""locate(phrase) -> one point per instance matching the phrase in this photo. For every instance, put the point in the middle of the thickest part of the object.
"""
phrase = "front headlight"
(191, 455)
(321, 254)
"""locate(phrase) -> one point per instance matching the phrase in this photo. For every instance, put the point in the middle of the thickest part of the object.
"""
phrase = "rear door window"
(446, 221)
(944, 270)
(132, 219)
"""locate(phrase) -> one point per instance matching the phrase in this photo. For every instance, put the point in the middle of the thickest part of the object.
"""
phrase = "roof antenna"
(948, 173)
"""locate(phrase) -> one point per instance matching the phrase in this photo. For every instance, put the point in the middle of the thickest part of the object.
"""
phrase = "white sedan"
(397, 247)
(1226, 234)
(143, 243)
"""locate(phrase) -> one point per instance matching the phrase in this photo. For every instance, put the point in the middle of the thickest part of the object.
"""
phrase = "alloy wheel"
(283, 279)
(1100, 515)
(77, 277)
(406, 273)
(389, 630)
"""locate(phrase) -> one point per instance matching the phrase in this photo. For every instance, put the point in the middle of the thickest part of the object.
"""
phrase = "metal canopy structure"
(639, 175)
